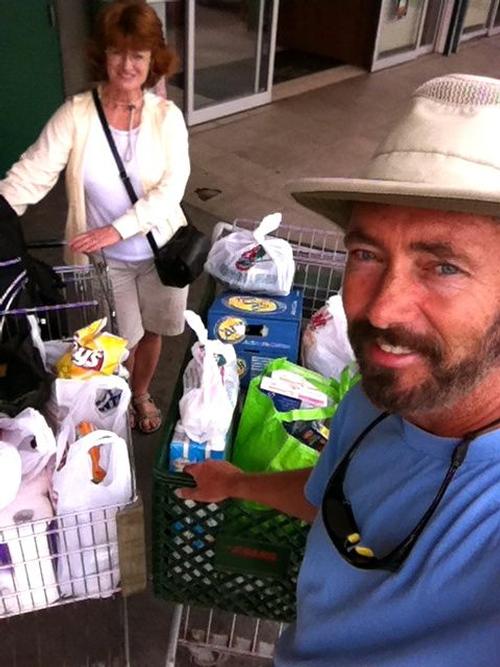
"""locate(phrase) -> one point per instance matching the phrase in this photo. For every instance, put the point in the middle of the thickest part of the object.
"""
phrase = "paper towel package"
(28, 582)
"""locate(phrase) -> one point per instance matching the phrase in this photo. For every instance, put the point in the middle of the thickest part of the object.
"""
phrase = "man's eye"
(362, 255)
(446, 269)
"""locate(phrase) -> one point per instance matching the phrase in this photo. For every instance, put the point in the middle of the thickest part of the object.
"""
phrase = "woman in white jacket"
(128, 54)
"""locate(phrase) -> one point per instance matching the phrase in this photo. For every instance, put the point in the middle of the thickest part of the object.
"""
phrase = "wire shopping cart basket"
(101, 550)
(256, 588)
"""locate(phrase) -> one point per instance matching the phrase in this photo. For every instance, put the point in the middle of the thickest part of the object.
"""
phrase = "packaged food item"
(261, 328)
(314, 433)
(94, 352)
(184, 450)
(295, 387)
(98, 473)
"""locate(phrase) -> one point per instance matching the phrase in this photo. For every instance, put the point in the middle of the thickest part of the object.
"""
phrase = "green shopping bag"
(262, 443)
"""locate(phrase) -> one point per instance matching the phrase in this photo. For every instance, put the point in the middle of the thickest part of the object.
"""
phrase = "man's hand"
(215, 481)
(95, 239)
(218, 480)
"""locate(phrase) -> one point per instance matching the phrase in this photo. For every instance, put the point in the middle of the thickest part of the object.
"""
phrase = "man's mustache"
(362, 332)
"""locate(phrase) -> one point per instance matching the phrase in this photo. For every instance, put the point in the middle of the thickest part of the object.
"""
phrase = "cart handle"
(47, 243)
(178, 479)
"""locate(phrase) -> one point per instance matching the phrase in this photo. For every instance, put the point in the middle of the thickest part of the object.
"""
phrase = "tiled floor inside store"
(245, 161)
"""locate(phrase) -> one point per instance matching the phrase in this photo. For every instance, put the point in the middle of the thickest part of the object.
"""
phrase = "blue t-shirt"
(442, 608)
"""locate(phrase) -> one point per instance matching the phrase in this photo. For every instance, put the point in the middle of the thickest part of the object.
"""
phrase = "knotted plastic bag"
(253, 261)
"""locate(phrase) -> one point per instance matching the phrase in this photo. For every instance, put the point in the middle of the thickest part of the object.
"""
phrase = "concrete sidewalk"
(244, 162)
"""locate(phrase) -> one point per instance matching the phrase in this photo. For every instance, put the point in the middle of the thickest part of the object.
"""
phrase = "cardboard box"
(261, 328)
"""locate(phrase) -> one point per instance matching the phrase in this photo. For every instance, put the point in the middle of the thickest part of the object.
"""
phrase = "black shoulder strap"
(121, 169)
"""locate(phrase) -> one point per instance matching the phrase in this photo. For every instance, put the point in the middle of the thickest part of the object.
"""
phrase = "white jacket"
(162, 150)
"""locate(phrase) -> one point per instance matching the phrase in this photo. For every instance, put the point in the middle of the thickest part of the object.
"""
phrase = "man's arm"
(218, 480)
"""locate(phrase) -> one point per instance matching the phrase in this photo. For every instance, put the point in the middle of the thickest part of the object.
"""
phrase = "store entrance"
(322, 35)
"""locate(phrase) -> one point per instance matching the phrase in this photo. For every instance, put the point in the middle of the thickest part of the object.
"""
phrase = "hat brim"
(334, 197)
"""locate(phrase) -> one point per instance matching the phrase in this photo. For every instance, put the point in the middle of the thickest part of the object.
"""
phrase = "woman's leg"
(162, 310)
(143, 365)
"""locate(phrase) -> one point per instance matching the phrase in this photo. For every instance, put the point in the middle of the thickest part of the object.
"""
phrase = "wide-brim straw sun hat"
(444, 153)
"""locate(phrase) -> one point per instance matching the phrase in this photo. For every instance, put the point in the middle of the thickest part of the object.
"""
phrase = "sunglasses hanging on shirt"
(338, 515)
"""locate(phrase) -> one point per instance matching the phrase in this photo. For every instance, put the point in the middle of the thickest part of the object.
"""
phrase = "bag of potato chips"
(94, 352)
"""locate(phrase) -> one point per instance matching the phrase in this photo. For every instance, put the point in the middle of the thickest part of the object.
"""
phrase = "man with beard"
(402, 563)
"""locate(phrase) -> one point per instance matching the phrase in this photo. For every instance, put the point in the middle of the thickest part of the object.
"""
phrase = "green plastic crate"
(227, 555)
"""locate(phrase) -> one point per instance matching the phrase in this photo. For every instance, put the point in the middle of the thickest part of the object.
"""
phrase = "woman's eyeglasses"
(340, 522)
(138, 58)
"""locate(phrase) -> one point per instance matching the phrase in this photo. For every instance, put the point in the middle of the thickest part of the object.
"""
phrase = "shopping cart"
(100, 539)
(192, 554)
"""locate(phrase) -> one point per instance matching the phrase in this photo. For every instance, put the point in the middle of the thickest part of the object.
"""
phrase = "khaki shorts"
(143, 303)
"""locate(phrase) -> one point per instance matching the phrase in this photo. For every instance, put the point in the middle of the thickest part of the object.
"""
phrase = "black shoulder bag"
(181, 259)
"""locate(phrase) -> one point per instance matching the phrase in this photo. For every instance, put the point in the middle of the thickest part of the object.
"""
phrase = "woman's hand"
(215, 481)
(95, 239)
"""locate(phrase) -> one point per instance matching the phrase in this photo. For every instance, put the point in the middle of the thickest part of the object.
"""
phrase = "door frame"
(411, 54)
(494, 30)
(218, 110)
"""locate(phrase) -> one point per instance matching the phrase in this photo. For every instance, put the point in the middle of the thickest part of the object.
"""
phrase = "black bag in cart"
(24, 381)
(27, 282)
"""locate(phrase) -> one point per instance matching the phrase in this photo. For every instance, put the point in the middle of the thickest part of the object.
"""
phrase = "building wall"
(73, 21)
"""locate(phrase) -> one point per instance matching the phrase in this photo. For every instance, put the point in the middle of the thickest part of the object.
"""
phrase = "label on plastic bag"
(250, 257)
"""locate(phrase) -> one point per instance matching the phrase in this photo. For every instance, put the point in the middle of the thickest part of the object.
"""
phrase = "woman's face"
(127, 70)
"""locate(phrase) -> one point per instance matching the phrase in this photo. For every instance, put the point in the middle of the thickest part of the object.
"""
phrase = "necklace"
(128, 152)
(132, 106)
(119, 103)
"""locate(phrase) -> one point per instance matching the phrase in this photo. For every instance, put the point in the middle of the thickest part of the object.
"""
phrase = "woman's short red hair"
(130, 25)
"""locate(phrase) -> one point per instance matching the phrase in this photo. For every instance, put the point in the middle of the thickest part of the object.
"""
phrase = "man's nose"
(394, 301)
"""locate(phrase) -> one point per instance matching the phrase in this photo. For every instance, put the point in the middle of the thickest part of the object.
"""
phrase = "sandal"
(146, 411)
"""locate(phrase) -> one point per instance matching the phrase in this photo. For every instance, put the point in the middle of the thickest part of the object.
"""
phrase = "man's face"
(422, 298)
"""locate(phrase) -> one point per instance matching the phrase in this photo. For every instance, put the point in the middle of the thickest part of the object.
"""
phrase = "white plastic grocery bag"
(10, 473)
(88, 484)
(102, 400)
(30, 434)
(252, 261)
(211, 386)
(325, 345)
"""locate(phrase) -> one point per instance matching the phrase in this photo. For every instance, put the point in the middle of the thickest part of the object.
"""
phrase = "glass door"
(495, 19)
(476, 18)
(406, 29)
(229, 56)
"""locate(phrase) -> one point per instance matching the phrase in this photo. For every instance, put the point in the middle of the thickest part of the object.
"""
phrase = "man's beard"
(446, 383)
